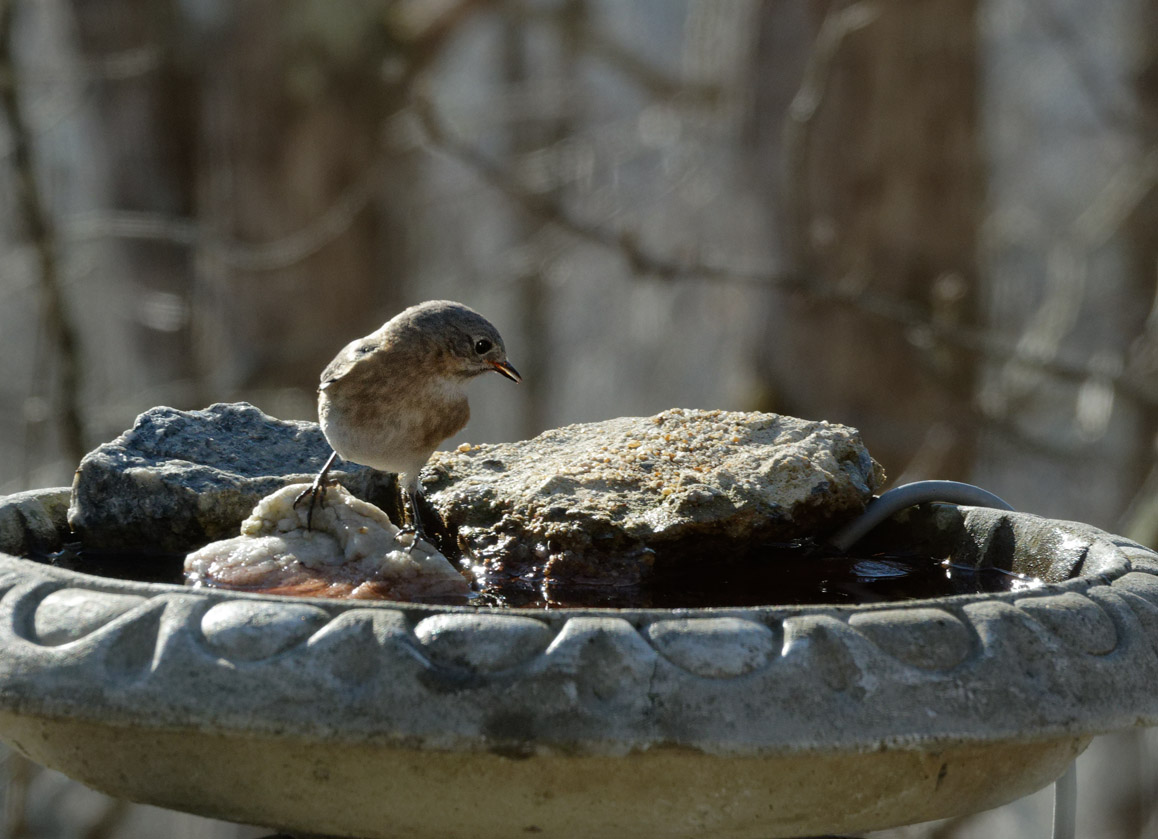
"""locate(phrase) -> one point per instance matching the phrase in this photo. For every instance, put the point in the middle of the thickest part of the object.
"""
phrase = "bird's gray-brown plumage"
(388, 400)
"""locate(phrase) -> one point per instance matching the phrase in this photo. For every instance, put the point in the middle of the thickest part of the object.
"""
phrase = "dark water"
(768, 575)
(772, 575)
(140, 566)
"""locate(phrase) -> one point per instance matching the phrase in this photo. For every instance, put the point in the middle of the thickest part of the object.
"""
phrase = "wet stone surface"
(351, 550)
(601, 505)
(611, 504)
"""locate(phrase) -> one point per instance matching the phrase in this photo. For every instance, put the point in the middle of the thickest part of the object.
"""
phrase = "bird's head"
(469, 343)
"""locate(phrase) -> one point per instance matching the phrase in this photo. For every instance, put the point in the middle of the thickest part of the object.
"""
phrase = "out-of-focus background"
(936, 221)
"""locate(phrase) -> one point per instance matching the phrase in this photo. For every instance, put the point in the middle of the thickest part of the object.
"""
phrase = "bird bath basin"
(385, 719)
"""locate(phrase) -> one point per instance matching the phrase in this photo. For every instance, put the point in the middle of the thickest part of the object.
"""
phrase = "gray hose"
(909, 495)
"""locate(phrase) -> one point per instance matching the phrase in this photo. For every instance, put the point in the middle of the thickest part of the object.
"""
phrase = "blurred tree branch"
(838, 24)
(595, 42)
(257, 256)
(35, 216)
(548, 207)
(420, 46)
(519, 66)
(423, 47)
(849, 291)
(1105, 102)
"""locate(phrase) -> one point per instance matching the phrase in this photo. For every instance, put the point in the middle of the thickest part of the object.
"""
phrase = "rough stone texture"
(600, 503)
(31, 522)
(604, 502)
(350, 550)
(330, 717)
(179, 479)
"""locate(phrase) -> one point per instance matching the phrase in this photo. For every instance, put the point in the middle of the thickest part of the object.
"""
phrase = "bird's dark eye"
(482, 346)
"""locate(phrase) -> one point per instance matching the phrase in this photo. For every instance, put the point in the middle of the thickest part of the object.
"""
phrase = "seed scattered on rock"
(694, 486)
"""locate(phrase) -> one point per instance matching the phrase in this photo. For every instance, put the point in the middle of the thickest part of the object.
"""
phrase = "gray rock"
(599, 503)
(179, 479)
(31, 522)
(607, 502)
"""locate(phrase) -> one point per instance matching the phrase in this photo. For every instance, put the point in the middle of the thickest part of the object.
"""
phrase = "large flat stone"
(605, 502)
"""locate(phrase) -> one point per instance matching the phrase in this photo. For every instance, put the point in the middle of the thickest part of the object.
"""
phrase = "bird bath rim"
(1008, 687)
(439, 634)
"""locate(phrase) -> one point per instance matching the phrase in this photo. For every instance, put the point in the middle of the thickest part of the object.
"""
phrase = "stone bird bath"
(380, 719)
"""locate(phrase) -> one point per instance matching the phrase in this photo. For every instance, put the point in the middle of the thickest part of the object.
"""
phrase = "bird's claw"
(412, 531)
(317, 493)
(316, 489)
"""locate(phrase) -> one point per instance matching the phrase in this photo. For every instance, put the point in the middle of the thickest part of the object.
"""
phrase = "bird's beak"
(507, 369)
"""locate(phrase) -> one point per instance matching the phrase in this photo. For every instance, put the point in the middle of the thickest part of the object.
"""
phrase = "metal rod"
(1065, 803)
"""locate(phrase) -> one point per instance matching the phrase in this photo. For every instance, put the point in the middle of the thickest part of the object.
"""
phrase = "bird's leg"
(316, 491)
(411, 491)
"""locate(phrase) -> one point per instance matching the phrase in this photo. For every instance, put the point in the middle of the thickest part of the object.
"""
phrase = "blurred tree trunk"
(521, 64)
(1067, 260)
(259, 124)
(146, 103)
(291, 186)
(883, 194)
(1141, 520)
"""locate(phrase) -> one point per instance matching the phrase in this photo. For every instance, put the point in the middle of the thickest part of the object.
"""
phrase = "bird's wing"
(332, 373)
(344, 361)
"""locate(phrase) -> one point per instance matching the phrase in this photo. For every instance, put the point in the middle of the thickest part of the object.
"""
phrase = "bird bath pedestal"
(383, 719)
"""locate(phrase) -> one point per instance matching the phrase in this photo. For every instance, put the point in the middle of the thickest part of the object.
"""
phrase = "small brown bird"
(388, 400)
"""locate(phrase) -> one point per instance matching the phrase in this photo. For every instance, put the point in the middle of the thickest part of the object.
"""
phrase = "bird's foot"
(317, 494)
(415, 533)
(317, 490)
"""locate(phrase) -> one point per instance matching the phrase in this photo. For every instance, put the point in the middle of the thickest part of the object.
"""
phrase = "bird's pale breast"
(390, 422)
